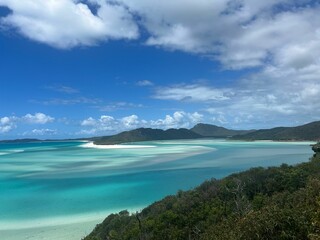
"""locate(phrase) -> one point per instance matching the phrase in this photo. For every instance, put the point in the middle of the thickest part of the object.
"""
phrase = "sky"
(71, 69)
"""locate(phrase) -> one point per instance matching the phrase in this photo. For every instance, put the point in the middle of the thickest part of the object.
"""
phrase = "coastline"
(118, 146)
(274, 141)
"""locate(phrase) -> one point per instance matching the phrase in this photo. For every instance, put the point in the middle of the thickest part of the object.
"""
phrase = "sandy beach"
(120, 146)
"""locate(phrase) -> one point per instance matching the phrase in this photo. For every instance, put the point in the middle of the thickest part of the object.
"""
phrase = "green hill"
(310, 131)
(147, 134)
(274, 203)
(208, 130)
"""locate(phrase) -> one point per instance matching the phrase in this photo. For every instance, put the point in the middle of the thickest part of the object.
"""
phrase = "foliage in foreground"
(273, 203)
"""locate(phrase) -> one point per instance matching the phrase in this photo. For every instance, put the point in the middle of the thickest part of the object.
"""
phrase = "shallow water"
(47, 184)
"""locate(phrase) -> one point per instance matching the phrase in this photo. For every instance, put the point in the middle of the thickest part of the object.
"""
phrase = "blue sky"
(84, 68)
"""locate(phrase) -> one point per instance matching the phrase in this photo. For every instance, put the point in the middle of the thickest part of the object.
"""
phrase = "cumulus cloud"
(238, 33)
(5, 129)
(104, 124)
(5, 121)
(130, 121)
(179, 119)
(278, 39)
(258, 100)
(109, 125)
(69, 23)
(37, 118)
(89, 122)
(7, 124)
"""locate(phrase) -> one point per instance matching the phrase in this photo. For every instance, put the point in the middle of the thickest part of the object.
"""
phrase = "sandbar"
(119, 146)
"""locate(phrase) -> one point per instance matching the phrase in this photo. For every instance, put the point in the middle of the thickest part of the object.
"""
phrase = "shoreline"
(117, 146)
(273, 141)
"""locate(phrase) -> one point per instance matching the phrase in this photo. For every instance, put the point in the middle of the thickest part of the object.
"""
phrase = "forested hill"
(310, 131)
(209, 130)
(147, 134)
(273, 203)
(307, 132)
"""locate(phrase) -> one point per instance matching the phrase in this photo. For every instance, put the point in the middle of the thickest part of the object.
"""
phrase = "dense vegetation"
(310, 131)
(274, 203)
(148, 134)
(208, 130)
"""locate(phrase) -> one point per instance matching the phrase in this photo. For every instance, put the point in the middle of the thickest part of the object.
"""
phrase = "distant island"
(209, 130)
(24, 140)
(147, 134)
(307, 132)
(261, 203)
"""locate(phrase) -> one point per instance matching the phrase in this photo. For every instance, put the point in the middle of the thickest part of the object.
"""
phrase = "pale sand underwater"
(117, 146)
(75, 231)
(61, 190)
(67, 228)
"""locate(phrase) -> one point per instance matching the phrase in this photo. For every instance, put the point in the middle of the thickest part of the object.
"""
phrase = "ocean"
(61, 190)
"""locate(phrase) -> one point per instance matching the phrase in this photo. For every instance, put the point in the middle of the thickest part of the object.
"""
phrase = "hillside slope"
(147, 134)
(310, 131)
(273, 203)
(208, 130)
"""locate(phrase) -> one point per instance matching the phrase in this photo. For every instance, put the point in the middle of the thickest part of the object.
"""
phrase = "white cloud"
(89, 122)
(106, 119)
(193, 93)
(220, 120)
(107, 125)
(103, 125)
(68, 23)
(5, 129)
(238, 33)
(144, 83)
(195, 117)
(130, 121)
(258, 100)
(279, 39)
(38, 118)
(179, 119)
(69, 101)
(7, 124)
(118, 106)
(5, 121)
(40, 132)
(90, 132)
(275, 39)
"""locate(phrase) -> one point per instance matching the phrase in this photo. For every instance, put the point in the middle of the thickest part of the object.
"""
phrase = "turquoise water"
(62, 180)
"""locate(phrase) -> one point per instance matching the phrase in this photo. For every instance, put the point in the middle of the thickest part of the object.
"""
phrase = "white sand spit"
(120, 146)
